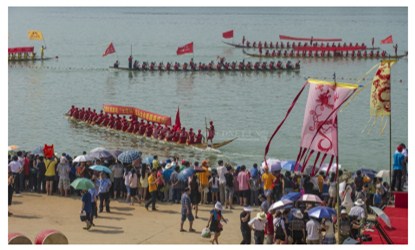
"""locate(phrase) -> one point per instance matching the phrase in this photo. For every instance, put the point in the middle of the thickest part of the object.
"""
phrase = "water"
(244, 105)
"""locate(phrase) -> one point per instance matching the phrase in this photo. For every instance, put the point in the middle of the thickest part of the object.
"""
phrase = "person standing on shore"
(10, 182)
(204, 181)
(152, 188)
(50, 173)
(398, 162)
(63, 170)
(103, 192)
(186, 210)
(222, 180)
(245, 217)
(258, 225)
(16, 168)
(87, 208)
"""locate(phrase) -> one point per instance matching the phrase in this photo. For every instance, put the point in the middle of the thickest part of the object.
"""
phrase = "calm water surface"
(244, 105)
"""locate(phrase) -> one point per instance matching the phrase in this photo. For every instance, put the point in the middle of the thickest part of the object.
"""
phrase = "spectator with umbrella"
(297, 227)
(84, 184)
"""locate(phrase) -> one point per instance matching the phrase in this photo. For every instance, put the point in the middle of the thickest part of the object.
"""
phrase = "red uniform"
(199, 137)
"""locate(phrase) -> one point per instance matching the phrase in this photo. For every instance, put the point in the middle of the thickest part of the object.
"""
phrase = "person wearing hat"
(214, 224)
(297, 226)
(358, 217)
(245, 217)
(345, 226)
(186, 210)
(258, 225)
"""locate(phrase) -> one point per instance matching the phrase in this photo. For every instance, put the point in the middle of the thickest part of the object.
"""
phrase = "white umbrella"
(333, 168)
(280, 204)
(383, 174)
(379, 212)
(273, 165)
(83, 158)
(310, 198)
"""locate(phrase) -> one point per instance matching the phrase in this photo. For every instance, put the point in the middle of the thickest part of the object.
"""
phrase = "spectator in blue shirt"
(103, 192)
(398, 161)
(377, 198)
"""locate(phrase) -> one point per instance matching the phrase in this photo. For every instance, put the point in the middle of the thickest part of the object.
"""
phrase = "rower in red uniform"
(75, 114)
(149, 130)
(130, 128)
(71, 110)
(142, 129)
(199, 137)
(81, 113)
(105, 121)
(156, 131)
(191, 137)
(365, 54)
(124, 124)
(183, 136)
(176, 136)
(111, 121)
(211, 132)
(118, 123)
(371, 54)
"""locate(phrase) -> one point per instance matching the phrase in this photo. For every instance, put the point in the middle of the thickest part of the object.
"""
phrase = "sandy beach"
(33, 213)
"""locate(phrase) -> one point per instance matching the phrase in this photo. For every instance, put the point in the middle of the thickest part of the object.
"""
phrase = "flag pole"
(390, 130)
(206, 128)
(337, 177)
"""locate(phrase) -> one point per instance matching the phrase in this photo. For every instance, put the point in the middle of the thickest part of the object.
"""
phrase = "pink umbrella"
(310, 198)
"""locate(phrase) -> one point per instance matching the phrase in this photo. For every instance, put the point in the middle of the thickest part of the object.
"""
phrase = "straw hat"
(261, 216)
(297, 214)
(218, 206)
(248, 209)
(343, 211)
(359, 202)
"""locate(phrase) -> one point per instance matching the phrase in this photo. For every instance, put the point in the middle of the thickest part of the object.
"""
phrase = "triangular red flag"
(227, 34)
(177, 124)
(387, 40)
(188, 48)
(109, 50)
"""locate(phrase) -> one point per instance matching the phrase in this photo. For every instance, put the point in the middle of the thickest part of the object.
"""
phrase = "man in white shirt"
(222, 180)
(16, 168)
(313, 231)
(258, 225)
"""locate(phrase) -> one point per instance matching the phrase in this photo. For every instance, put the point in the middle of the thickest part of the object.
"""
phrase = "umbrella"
(167, 173)
(381, 214)
(83, 158)
(310, 198)
(270, 161)
(103, 154)
(82, 184)
(293, 196)
(321, 212)
(98, 149)
(185, 173)
(289, 165)
(129, 156)
(13, 147)
(280, 204)
(366, 171)
(115, 153)
(333, 167)
(383, 174)
(101, 168)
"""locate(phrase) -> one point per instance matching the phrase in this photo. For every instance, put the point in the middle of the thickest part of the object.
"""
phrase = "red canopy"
(329, 48)
(21, 50)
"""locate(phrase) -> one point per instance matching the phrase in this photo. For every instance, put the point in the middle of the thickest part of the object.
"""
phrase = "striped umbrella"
(129, 156)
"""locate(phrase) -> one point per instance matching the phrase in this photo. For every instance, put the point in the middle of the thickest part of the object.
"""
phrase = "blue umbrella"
(185, 173)
(129, 156)
(321, 212)
(167, 173)
(101, 168)
(293, 196)
(366, 171)
(289, 165)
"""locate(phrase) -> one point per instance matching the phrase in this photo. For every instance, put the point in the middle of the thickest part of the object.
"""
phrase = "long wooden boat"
(30, 59)
(271, 70)
(325, 57)
(205, 145)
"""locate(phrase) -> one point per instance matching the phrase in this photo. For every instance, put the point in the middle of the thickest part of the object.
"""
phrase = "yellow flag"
(380, 94)
(35, 35)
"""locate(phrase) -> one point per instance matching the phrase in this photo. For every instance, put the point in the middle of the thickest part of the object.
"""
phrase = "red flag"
(227, 34)
(177, 124)
(387, 40)
(188, 48)
(109, 50)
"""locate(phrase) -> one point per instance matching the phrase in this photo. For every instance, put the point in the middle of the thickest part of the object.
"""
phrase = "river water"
(244, 105)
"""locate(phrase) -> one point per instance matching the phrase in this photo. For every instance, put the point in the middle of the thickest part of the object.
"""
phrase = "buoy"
(18, 238)
(50, 236)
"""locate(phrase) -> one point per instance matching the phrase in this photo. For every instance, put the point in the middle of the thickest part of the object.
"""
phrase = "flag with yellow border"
(35, 35)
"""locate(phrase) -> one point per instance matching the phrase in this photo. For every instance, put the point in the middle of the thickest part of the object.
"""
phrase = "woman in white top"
(144, 181)
(328, 238)
(133, 186)
(332, 190)
(127, 185)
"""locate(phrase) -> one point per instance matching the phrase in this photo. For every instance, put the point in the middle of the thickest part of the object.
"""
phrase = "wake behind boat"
(152, 127)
